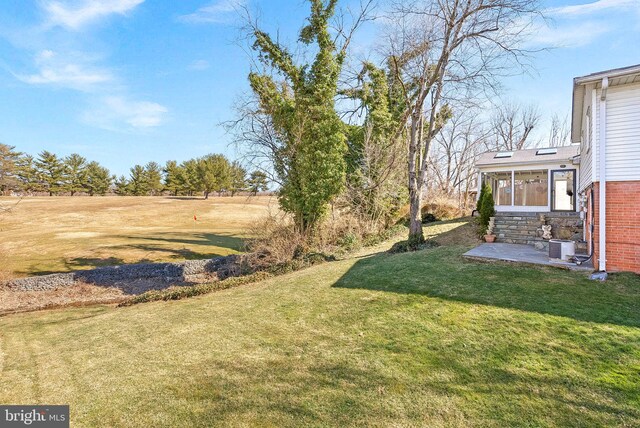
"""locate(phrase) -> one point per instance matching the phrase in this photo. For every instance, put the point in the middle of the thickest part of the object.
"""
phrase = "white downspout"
(602, 158)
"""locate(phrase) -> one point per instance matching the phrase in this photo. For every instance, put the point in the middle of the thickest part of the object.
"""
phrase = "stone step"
(516, 232)
(521, 237)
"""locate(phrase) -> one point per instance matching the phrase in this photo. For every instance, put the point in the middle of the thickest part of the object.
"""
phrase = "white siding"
(623, 133)
(588, 139)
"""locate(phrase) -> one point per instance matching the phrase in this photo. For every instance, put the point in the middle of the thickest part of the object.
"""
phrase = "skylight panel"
(546, 152)
(502, 155)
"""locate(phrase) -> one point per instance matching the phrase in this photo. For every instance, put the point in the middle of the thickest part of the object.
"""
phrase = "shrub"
(406, 246)
(428, 218)
(443, 207)
(487, 208)
(482, 193)
(183, 292)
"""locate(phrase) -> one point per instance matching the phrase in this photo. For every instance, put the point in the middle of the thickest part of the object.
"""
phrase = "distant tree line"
(72, 175)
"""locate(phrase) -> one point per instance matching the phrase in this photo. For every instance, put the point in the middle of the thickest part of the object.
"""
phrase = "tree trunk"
(416, 236)
(206, 195)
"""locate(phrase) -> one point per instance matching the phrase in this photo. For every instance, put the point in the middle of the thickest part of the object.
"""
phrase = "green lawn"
(418, 339)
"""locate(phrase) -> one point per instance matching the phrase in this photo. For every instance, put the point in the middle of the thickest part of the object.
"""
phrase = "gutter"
(538, 162)
(602, 158)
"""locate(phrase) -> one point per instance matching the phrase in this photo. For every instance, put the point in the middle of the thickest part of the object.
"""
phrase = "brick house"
(606, 124)
(579, 188)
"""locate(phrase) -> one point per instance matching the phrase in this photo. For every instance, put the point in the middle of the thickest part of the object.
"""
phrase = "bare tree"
(559, 131)
(512, 125)
(442, 50)
(455, 150)
(256, 139)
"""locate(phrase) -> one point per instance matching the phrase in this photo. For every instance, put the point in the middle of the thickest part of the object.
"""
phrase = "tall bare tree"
(512, 125)
(441, 50)
(455, 150)
(559, 131)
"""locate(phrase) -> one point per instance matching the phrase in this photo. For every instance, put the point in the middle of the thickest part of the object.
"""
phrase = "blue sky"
(129, 81)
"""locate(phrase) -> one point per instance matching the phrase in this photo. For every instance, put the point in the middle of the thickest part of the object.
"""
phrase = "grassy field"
(57, 234)
(390, 340)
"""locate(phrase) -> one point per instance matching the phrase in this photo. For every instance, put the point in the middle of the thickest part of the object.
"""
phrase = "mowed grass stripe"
(421, 339)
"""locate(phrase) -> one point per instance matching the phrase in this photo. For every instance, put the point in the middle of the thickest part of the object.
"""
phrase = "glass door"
(563, 190)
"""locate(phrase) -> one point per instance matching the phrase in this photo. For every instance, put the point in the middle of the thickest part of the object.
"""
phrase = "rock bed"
(134, 278)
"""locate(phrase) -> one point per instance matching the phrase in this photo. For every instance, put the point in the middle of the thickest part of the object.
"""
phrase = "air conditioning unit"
(562, 249)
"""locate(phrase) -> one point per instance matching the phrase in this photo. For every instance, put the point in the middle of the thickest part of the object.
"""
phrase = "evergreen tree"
(487, 209)
(9, 159)
(138, 185)
(172, 177)
(238, 178)
(121, 185)
(50, 171)
(188, 178)
(97, 179)
(483, 190)
(26, 173)
(258, 182)
(214, 174)
(75, 173)
(153, 178)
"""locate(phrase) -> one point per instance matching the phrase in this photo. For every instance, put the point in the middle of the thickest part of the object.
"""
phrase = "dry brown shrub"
(444, 207)
(277, 242)
(274, 241)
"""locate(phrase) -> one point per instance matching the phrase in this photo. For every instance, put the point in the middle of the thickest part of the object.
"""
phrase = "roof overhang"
(617, 76)
(529, 163)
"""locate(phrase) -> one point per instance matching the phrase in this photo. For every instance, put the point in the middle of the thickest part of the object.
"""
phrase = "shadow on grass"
(444, 273)
(205, 239)
(339, 393)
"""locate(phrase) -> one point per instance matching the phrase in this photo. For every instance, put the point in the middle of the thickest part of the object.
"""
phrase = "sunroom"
(534, 180)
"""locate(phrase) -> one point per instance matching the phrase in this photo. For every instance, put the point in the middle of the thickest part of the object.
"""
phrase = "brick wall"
(623, 225)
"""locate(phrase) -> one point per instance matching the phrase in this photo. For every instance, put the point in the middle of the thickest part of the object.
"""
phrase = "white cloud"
(578, 25)
(568, 35)
(199, 65)
(597, 6)
(72, 73)
(113, 110)
(218, 12)
(74, 15)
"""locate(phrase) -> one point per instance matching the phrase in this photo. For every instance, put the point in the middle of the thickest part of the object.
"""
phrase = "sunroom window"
(500, 183)
(531, 188)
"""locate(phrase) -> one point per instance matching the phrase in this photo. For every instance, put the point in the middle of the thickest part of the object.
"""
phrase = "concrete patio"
(520, 254)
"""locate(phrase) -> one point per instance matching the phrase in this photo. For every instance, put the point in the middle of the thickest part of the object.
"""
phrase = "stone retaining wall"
(187, 272)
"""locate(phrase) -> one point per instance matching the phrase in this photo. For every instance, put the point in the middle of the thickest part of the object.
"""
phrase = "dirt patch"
(75, 295)
(76, 235)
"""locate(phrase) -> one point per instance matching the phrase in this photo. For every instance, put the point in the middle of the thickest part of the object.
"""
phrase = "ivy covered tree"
(376, 180)
(50, 171)
(311, 162)
(74, 173)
